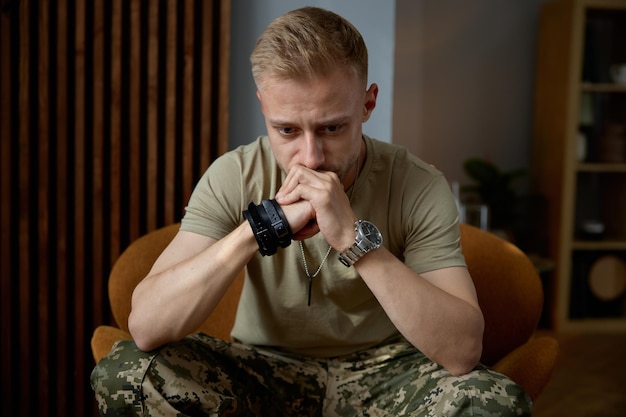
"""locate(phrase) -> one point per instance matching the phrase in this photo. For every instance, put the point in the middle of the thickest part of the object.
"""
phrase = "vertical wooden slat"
(79, 197)
(214, 130)
(134, 113)
(169, 148)
(98, 142)
(222, 65)
(186, 107)
(7, 251)
(25, 311)
(62, 191)
(43, 226)
(153, 114)
(207, 89)
(115, 186)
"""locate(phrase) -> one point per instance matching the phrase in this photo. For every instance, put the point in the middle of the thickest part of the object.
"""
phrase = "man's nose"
(313, 152)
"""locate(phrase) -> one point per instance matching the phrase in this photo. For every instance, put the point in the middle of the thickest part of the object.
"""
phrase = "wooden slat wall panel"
(7, 230)
(24, 196)
(110, 111)
(61, 232)
(134, 111)
(43, 208)
(76, 154)
(153, 97)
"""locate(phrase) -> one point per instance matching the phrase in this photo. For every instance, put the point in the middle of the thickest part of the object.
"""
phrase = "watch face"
(371, 233)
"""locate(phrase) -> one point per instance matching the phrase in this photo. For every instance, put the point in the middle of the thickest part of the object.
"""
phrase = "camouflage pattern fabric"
(204, 376)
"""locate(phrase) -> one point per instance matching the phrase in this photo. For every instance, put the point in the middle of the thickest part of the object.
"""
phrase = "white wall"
(464, 81)
(373, 18)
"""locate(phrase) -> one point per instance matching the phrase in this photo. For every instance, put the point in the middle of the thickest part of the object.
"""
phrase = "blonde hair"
(307, 43)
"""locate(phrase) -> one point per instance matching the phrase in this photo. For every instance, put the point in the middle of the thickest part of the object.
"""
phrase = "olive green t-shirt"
(408, 200)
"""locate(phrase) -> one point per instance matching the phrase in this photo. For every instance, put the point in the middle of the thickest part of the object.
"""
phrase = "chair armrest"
(103, 339)
(531, 364)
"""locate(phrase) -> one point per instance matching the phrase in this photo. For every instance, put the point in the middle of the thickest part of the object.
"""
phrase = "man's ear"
(370, 101)
(258, 96)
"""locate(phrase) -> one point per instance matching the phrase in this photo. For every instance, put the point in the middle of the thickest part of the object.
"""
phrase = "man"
(357, 300)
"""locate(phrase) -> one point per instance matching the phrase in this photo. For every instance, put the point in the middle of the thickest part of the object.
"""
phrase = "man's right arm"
(185, 284)
(192, 275)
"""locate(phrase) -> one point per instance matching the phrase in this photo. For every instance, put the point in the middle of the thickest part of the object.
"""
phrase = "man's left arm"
(436, 311)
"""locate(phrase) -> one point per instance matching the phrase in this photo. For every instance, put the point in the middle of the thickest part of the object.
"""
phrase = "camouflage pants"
(204, 376)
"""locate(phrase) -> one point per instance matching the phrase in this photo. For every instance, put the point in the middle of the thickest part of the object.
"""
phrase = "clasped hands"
(315, 201)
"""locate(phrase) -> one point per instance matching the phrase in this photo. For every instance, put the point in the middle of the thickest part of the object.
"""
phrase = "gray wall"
(456, 78)
(373, 18)
(464, 79)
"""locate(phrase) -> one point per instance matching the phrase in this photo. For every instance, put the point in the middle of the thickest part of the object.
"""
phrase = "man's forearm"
(179, 294)
(445, 327)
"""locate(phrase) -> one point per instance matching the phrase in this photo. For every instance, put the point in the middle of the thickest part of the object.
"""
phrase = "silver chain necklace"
(306, 268)
(330, 248)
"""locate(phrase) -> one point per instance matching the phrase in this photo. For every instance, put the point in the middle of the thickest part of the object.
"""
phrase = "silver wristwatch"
(368, 238)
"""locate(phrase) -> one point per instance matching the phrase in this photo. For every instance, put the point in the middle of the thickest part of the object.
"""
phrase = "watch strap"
(351, 255)
(359, 248)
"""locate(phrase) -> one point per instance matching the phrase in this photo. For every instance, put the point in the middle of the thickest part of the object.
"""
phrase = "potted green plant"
(493, 187)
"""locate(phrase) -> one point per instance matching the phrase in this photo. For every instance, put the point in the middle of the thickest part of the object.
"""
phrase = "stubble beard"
(346, 170)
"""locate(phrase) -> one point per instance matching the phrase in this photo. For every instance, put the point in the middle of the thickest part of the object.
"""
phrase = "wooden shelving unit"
(582, 179)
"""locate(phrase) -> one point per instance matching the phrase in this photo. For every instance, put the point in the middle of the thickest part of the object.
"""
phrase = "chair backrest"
(135, 263)
(509, 291)
(132, 266)
(508, 286)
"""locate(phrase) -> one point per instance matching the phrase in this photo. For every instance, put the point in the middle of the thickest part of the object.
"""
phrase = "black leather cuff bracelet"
(269, 225)
(280, 225)
(267, 243)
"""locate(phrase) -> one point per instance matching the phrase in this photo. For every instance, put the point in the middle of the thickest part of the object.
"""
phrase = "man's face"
(317, 123)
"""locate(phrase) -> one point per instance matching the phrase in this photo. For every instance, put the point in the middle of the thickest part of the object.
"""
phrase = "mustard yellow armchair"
(508, 286)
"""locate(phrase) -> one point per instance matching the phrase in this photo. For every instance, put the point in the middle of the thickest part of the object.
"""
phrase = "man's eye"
(333, 129)
(286, 130)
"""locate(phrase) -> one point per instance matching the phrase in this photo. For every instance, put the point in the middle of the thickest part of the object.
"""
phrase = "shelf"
(611, 5)
(601, 167)
(574, 95)
(594, 325)
(603, 88)
(593, 245)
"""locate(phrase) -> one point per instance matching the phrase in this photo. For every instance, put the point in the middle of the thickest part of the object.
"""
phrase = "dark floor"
(589, 379)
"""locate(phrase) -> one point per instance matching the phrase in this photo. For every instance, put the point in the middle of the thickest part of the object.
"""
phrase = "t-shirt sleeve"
(215, 206)
(433, 236)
